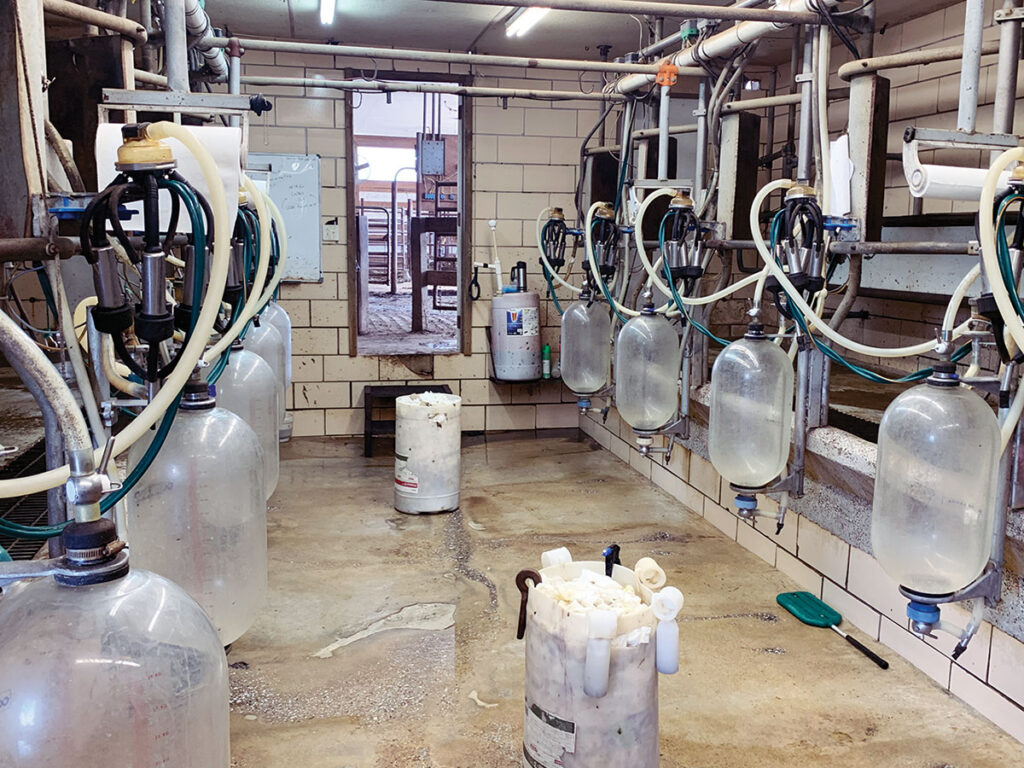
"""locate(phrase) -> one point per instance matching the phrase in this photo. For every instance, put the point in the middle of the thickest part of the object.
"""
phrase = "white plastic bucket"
(564, 727)
(428, 452)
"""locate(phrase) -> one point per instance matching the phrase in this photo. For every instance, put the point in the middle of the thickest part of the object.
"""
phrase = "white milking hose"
(987, 233)
(821, 73)
(812, 317)
(958, 296)
(544, 257)
(192, 352)
(19, 346)
(253, 303)
(1007, 427)
(282, 258)
(638, 237)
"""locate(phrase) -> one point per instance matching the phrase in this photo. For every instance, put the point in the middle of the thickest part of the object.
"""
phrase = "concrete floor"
(389, 325)
(756, 689)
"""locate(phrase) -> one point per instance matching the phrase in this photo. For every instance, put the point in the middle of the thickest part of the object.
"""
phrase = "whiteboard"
(293, 182)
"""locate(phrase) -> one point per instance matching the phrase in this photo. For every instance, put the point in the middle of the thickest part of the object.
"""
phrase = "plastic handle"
(867, 651)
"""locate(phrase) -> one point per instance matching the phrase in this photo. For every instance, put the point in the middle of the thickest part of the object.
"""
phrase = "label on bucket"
(546, 738)
(405, 480)
(522, 322)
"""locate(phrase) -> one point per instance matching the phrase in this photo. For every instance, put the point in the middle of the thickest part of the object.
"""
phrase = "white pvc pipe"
(192, 352)
(724, 44)
(812, 316)
(282, 258)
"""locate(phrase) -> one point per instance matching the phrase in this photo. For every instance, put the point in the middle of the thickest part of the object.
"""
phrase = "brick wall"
(524, 159)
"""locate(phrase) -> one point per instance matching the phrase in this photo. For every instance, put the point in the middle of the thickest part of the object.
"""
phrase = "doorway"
(407, 204)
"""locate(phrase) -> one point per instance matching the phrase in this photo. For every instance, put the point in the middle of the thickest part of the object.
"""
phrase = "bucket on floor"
(592, 672)
(428, 452)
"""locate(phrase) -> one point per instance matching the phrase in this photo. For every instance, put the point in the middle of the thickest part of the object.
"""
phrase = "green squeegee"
(810, 610)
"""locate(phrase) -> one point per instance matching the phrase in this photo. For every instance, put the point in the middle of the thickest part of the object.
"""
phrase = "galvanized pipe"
(929, 247)
(411, 87)
(1006, 72)
(175, 45)
(37, 248)
(443, 57)
(124, 27)
(772, 16)
(970, 65)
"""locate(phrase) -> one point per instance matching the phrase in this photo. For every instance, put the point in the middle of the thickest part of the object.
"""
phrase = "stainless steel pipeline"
(674, 10)
(443, 57)
(411, 87)
(663, 117)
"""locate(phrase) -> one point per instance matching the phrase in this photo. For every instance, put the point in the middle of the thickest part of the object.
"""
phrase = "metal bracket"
(805, 77)
(989, 585)
(1004, 15)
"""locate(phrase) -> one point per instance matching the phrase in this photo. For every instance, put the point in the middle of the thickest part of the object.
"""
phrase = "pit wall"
(524, 159)
(989, 676)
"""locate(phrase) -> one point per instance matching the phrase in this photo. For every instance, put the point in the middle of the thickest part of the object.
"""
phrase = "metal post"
(702, 141)
(663, 120)
(1006, 72)
(175, 45)
(805, 147)
(970, 65)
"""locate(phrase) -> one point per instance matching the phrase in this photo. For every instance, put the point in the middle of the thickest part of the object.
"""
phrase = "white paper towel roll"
(944, 182)
(225, 144)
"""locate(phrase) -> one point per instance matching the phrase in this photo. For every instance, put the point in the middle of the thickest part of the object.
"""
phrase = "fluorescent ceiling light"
(327, 12)
(523, 20)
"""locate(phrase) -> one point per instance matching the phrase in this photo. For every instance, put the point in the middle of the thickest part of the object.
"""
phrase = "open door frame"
(465, 216)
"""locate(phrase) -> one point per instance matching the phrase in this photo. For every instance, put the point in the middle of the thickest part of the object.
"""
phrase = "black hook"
(474, 285)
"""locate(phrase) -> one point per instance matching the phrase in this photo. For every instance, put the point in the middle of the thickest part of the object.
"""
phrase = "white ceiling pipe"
(199, 29)
(122, 26)
(724, 43)
(446, 57)
(778, 15)
(412, 87)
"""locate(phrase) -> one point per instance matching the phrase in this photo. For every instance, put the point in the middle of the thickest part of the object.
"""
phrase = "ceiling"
(460, 27)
